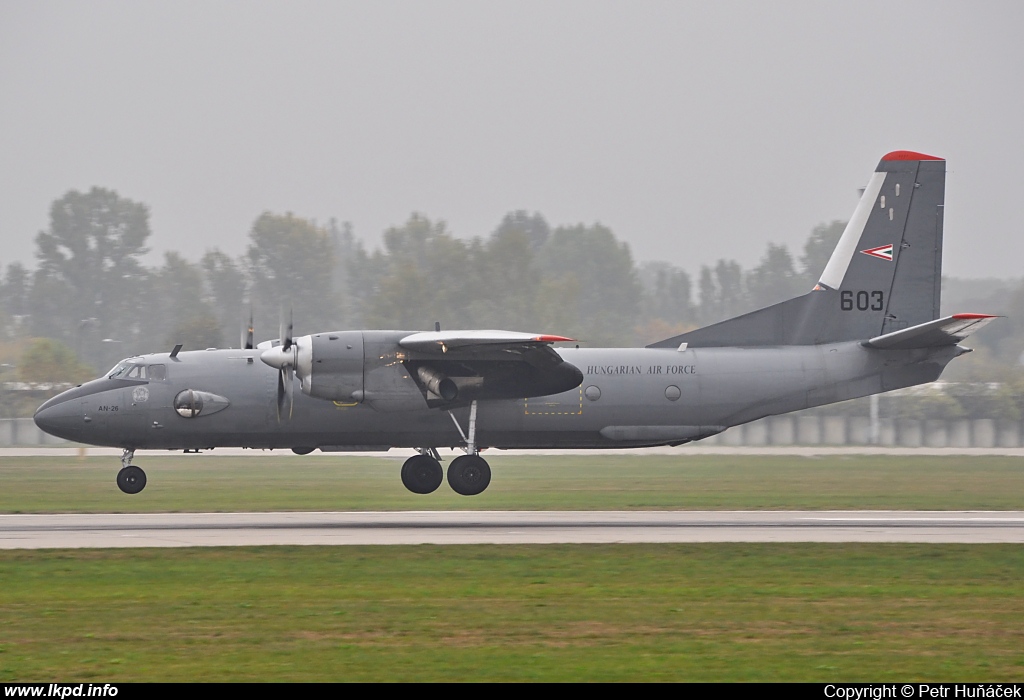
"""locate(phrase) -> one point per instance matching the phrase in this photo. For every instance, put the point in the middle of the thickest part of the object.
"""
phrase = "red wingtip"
(553, 339)
(968, 317)
(909, 155)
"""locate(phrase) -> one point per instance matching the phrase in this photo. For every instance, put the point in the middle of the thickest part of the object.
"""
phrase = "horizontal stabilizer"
(443, 341)
(932, 334)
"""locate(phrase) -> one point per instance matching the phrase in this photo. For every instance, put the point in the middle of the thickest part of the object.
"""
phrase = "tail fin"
(884, 275)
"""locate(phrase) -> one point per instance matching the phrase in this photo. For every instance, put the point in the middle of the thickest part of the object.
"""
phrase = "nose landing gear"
(130, 479)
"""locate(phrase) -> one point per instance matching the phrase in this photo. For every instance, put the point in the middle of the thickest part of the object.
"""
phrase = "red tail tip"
(909, 155)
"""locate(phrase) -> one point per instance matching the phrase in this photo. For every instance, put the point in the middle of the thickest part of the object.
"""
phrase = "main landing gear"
(468, 474)
(422, 473)
(130, 479)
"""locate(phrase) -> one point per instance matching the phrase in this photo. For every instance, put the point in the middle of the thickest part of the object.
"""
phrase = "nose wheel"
(130, 479)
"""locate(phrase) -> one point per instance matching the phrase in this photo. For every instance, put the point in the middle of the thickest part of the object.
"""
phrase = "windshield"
(127, 369)
(121, 368)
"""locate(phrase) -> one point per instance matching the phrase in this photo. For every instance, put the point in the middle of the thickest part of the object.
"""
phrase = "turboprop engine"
(328, 365)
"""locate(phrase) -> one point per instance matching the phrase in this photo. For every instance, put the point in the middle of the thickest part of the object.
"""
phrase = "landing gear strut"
(469, 474)
(130, 479)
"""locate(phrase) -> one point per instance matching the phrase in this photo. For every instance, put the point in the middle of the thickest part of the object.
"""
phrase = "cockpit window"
(128, 369)
(121, 369)
(158, 372)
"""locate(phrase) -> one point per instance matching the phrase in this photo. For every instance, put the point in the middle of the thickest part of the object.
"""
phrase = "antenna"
(174, 352)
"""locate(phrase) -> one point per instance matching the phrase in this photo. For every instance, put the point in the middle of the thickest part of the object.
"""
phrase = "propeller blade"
(289, 388)
(280, 393)
(247, 339)
(286, 332)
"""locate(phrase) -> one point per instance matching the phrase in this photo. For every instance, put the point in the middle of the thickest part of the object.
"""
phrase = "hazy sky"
(695, 130)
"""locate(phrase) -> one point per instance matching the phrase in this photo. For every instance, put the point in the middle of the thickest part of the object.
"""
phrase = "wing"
(942, 331)
(454, 367)
(443, 341)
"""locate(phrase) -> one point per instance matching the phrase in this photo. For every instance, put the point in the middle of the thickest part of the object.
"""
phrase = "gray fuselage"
(628, 397)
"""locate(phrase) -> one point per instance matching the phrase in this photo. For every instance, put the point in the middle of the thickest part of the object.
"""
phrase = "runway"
(503, 527)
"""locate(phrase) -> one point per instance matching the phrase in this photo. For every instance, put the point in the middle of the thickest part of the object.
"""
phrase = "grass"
(271, 483)
(732, 612)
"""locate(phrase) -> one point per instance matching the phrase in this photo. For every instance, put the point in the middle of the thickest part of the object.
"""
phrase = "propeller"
(284, 357)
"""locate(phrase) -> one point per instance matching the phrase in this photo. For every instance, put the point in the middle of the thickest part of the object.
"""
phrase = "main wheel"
(131, 479)
(469, 475)
(422, 474)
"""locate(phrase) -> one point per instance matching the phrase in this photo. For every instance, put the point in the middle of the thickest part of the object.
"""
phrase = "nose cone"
(58, 417)
(278, 357)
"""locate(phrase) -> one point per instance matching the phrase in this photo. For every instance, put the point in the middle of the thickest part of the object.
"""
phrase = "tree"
(608, 302)
(291, 262)
(354, 276)
(723, 293)
(424, 275)
(775, 279)
(226, 287)
(667, 292)
(15, 289)
(507, 274)
(532, 227)
(14, 299)
(49, 361)
(185, 316)
(90, 257)
(818, 249)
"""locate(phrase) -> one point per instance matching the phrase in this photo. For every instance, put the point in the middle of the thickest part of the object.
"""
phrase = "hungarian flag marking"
(884, 252)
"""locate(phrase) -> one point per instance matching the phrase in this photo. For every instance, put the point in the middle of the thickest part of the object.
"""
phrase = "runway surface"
(504, 527)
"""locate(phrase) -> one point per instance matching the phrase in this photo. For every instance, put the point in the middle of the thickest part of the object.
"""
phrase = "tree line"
(91, 293)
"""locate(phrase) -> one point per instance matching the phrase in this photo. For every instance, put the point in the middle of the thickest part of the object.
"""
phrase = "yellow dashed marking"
(528, 412)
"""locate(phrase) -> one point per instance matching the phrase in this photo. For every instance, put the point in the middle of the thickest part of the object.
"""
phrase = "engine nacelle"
(335, 370)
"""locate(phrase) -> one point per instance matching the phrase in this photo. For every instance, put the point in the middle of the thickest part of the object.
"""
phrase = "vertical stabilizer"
(884, 275)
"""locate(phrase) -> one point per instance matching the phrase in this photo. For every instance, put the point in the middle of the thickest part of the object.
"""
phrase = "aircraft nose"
(57, 417)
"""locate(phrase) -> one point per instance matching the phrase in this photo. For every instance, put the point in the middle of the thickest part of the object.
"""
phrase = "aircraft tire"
(422, 474)
(131, 479)
(302, 450)
(469, 475)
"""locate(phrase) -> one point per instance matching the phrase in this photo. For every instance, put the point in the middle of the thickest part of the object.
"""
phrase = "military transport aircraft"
(871, 324)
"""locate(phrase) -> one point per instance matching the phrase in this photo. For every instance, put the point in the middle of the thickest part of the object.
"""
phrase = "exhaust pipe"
(437, 384)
